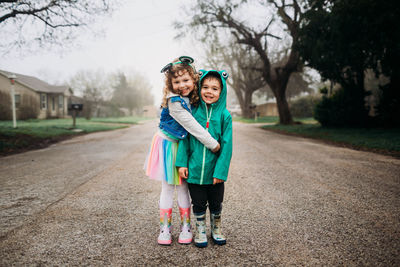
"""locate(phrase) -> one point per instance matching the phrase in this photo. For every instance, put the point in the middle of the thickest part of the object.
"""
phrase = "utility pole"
(12, 78)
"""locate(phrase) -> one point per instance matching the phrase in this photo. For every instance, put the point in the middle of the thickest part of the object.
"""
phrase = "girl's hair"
(175, 71)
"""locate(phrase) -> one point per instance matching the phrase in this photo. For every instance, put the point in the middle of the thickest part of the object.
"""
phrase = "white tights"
(167, 195)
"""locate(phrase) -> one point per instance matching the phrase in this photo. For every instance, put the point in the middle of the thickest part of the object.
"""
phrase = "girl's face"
(182, 84)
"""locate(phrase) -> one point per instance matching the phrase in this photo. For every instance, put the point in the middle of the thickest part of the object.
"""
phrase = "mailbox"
(75, 107)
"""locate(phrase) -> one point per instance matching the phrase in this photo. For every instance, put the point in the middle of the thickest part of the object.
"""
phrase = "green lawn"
(369, 138)
(272, 119)
(127, 120)
(268, 119)
(32, 133)
(377, 139)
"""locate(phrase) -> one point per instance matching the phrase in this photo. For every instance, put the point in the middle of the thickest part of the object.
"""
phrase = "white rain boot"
(186, 236)
(200, 239)
(165, 227)
(216, 233)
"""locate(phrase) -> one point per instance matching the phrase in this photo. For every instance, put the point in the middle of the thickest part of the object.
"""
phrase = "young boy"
(205, 171)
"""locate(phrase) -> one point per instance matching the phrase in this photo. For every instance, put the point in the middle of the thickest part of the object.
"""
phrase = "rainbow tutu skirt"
(160, 162)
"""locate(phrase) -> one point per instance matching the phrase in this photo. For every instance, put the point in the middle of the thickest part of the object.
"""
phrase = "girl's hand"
(183, 172)
(215, 150)
(217, 181)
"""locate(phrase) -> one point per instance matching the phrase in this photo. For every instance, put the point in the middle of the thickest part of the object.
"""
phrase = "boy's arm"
(186, 119)
(224, 159)
(182, 156)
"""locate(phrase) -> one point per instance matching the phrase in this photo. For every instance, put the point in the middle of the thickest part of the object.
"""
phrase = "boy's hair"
(173, 72)
(212, 75)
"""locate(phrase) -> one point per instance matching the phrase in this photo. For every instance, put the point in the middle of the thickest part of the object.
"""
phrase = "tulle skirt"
(160, 162)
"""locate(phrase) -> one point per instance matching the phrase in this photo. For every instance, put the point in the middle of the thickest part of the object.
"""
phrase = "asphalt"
(288, 201)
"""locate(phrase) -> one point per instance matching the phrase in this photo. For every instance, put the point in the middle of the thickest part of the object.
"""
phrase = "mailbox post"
(253, 107)
(12, 78)
(75, 108)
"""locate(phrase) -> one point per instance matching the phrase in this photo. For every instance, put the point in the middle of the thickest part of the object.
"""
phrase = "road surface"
(288, 201)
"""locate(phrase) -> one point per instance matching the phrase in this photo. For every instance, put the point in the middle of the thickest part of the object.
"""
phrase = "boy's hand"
(217, 181)
(215, 150)
(183, 172)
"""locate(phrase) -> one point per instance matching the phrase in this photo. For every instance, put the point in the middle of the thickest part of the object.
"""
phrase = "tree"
(94, 87)
(211, 15)
(131, 92)
(299, 82)
(343, 39)
(47, 22)
(239, 61)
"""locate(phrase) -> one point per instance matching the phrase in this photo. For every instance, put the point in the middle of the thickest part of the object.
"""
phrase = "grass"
(39, 133)
(386, 141)
(126, 120)
(267, 119)
(369, 138)
(272, 119)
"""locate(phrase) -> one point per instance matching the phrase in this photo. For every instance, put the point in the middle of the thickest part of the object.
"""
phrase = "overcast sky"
(139, 36)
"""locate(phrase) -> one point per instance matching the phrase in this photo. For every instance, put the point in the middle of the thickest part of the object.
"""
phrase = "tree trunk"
(285, 117)
(247, 112)
(244, 102)
(278, 85)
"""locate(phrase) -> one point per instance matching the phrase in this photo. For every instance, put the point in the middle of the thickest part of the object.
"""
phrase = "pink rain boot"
(165, 227)
(186, 236)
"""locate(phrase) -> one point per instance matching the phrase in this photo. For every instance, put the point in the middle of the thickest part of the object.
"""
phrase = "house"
(267, 109)
(34, 98)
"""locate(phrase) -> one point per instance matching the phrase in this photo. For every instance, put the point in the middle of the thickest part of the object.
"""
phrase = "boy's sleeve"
(224, 159)
(182, 156)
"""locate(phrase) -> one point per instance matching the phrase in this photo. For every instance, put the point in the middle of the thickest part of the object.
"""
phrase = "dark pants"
(201, 195)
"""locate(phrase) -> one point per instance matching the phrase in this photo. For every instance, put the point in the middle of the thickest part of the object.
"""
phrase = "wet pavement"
(288, 201)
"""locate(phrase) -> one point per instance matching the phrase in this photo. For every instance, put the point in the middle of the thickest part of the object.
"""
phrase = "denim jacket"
(169, 124)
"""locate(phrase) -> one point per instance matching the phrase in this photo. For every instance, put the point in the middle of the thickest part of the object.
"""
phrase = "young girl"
(180, 92)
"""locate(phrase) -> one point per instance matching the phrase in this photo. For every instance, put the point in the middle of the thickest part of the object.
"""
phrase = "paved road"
(289, 201)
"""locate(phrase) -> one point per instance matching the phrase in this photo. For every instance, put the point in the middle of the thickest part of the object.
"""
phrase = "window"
(43, 101)
(17, 100)
(60, 101)
(53, 102)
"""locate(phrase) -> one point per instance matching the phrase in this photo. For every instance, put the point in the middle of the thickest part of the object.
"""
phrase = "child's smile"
(183, 84)
(210, 91)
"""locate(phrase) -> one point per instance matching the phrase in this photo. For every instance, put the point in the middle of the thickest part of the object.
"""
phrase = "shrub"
(388, 108)
(303, 107)
(29, 108)
(345, 108)
(5, 106)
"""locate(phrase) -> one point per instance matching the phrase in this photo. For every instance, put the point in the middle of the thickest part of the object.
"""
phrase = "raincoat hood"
(220, 105)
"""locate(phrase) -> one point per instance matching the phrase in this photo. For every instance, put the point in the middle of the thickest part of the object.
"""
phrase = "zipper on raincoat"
(204, 147)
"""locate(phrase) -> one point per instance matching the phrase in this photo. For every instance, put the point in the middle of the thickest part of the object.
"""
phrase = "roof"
(36, 84)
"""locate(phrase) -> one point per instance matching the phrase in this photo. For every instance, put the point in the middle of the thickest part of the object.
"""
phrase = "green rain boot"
(216, 232)
(200, 239)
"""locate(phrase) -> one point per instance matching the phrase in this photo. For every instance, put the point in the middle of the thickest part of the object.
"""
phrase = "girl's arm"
(185, 118)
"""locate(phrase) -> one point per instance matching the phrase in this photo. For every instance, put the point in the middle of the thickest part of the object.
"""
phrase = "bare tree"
(212, 15)
(47, 22)
(239, 62)
(94, 87)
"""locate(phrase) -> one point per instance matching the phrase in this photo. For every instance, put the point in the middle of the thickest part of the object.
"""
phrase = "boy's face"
(210, 90)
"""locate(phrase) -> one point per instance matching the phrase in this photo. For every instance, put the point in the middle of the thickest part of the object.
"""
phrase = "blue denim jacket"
(169, 124)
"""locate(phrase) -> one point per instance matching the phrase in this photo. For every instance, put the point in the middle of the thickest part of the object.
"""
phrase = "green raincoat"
(203, 164)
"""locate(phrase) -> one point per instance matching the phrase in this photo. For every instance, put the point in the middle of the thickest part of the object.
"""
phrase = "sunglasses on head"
(182, 60)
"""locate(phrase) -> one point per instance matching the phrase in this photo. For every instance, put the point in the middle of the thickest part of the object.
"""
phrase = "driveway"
(288, 201)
